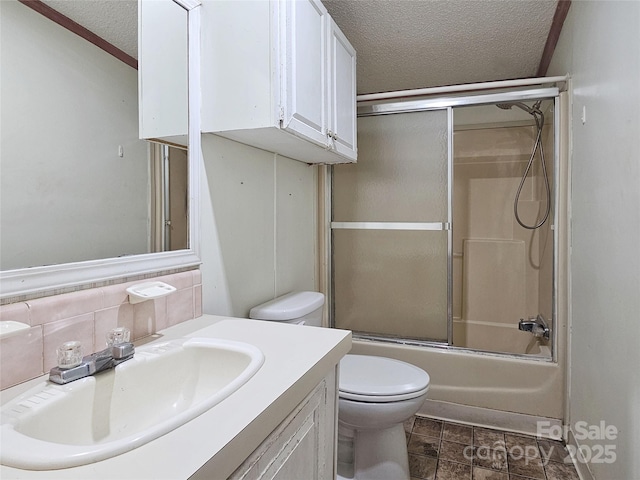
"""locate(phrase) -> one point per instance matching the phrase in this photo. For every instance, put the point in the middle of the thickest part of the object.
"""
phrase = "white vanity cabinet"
(279, 75)
(303, 445)
(281, 424)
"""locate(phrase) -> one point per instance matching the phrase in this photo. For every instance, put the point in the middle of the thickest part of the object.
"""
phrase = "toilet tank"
(302, 308)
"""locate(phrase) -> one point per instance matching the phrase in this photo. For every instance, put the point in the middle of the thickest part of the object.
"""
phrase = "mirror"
(83, 199)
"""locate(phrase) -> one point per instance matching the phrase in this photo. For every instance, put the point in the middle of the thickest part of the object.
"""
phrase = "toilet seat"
(373, 379)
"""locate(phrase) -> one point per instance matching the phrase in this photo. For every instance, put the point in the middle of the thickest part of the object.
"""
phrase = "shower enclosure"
(440, 234)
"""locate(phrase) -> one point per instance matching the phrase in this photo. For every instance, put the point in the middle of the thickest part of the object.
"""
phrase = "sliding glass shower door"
(391, 223)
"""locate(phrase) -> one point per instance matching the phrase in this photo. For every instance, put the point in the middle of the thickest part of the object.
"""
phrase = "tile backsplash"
(87, 316)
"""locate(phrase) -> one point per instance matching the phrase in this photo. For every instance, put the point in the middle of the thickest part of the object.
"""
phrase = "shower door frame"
(447, 103)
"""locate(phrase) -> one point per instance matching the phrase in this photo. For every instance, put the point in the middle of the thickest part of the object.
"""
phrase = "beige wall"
(258, 226)
(600, 49)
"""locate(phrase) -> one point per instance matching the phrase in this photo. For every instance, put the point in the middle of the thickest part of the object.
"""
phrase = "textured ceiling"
(116, 21)
(401, 44)
(406, 44)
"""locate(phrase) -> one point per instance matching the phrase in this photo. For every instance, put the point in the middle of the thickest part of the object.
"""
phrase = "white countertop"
(296, 360)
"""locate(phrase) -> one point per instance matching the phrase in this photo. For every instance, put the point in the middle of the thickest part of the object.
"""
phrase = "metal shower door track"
(441, 103)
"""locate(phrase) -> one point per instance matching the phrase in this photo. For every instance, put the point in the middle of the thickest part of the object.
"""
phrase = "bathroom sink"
(163, 387)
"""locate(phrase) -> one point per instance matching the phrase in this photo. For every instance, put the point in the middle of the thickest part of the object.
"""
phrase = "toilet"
(300, 308)
(376, 395)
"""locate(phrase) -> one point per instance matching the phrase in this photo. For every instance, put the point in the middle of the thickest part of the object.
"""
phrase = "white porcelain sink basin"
(164, 386)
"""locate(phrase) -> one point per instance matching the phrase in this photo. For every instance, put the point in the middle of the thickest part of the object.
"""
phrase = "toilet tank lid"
(289, 306)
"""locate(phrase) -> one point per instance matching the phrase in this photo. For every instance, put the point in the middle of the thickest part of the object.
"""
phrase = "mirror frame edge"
(34, 280)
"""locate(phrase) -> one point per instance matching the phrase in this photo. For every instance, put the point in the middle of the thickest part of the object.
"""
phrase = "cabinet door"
(342, 87)
(303, 446)
(162, 70)
(304, 78)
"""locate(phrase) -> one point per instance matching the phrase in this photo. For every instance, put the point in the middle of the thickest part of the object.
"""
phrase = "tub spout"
(536, 325)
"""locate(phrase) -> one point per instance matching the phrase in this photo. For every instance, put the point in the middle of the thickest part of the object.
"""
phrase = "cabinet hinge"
(281, 113)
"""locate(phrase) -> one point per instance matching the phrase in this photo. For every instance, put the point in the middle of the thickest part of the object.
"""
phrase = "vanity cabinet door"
(303, 446)
(304, 78)
(342, 99)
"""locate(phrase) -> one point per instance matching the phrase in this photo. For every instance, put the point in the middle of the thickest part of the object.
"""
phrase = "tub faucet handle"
(526, 325)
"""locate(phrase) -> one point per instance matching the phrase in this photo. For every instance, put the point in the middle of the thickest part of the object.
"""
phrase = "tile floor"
(449, 451)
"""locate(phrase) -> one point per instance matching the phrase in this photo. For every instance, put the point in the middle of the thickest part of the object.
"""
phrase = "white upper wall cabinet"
(279, 75)
(304, 81)
(342, 105)
(162, 71)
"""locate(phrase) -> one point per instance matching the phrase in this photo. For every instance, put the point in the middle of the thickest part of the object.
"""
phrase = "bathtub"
(498, 337)
(530, 387)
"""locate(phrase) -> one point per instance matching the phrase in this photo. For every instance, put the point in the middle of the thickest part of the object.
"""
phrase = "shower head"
(534, 110)
(520, 105)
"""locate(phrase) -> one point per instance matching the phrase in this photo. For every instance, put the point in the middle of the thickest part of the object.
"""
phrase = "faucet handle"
(69, 355)
(118, 335)
(118, 341)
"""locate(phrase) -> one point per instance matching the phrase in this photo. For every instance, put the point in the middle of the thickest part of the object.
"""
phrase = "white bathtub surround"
(86, 316)
(502, 272)
(214, 444)
(494, 282)
(499, 336)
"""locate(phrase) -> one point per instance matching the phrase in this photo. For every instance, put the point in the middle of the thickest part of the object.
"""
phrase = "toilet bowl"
(376, 395)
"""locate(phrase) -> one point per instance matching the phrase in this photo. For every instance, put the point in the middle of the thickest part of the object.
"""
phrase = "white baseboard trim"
(582, 467)
(486, 417)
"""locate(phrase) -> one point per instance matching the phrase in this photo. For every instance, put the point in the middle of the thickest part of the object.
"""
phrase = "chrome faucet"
(536, 325)
(73, 366)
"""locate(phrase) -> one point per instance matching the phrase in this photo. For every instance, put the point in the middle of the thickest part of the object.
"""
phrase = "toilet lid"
(378, 378)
